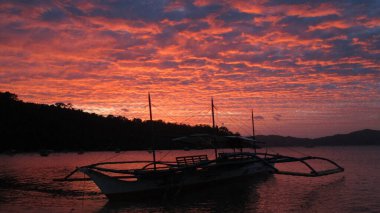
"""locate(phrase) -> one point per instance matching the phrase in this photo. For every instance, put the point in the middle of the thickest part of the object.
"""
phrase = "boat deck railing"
(185, 161)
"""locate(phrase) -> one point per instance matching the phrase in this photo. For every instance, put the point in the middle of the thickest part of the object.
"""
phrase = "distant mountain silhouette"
(30, 127)
(362, 137)
(276, 140)
(357, 138)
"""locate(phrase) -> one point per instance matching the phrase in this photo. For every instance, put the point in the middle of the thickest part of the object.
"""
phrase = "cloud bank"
(316, 63)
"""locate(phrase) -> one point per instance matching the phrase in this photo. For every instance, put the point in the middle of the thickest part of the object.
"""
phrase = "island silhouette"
(60, 127)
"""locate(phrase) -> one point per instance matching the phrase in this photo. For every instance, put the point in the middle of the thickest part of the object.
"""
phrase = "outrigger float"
(157, 178)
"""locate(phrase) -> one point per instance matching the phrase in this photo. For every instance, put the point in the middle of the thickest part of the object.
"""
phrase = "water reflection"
(328, 193)
(235, 196)
(26, 185)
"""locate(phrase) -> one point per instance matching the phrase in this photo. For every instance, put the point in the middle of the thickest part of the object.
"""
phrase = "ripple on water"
(26, 185)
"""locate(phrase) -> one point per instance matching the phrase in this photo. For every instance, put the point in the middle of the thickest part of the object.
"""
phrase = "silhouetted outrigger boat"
(45, 152)
(157, 178)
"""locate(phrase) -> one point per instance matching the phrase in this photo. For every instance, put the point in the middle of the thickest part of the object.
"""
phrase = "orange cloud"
(312, 63)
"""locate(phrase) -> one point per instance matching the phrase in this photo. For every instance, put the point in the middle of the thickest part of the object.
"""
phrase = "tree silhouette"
(6, 97)
(30, 126)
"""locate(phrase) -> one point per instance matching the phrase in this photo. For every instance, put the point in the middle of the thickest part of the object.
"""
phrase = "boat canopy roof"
(207, 140)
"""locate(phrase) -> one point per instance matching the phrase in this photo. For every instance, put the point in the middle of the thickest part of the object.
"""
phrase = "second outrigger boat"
(157, 178)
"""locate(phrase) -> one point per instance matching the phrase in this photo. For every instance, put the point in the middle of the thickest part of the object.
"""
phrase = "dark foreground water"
(26, 186)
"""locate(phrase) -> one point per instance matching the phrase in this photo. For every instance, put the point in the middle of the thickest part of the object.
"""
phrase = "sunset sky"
(306, 68)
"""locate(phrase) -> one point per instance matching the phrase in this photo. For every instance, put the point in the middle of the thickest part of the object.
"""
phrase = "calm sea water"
(26, 185)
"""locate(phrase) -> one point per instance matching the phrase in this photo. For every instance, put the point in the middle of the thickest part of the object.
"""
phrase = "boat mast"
(213, 127)
(253, 132)
(151, 125)
(253, 127)
(212, 112)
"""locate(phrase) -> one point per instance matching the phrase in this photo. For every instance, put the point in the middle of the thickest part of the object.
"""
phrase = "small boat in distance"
(162, 178)
(45, 152)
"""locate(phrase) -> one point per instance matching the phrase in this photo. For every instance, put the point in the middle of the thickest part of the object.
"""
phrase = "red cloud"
(312, 63)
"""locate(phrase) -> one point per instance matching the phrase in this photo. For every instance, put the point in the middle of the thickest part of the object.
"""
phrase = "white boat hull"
(119, 188)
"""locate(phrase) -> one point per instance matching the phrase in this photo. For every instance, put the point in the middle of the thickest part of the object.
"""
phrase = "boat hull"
(173, 183)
